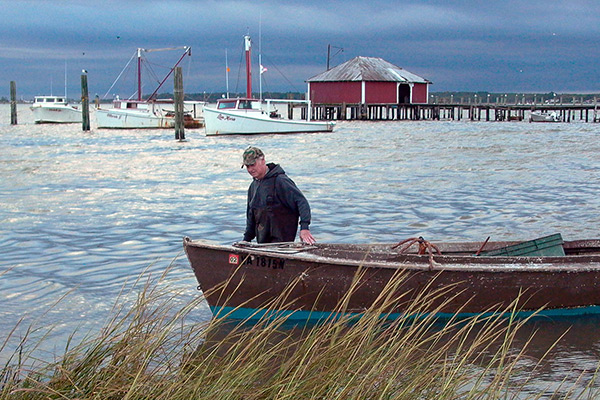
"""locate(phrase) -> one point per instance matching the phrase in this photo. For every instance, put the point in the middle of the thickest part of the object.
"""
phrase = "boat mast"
(248, 67)
(139, 73)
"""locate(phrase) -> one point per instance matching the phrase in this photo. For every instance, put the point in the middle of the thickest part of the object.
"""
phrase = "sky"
(529, 46)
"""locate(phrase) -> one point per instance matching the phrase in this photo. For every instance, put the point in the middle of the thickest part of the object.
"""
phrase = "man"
(274, 203)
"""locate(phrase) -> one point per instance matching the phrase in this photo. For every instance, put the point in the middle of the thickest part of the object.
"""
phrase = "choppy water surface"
(84, 213)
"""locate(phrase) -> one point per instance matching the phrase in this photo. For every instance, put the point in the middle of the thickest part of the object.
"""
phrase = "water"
(83, 214)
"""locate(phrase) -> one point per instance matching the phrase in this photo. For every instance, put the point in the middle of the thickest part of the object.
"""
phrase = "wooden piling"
(178, 97)
(85, 104)
(13, 103)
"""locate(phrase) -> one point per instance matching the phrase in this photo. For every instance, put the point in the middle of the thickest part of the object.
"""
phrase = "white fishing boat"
(246, 116)
(54, 110)
(538, 116)
(134, 114)
(143, 113)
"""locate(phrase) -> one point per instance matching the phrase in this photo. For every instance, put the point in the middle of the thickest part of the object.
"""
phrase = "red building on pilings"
(368, 80)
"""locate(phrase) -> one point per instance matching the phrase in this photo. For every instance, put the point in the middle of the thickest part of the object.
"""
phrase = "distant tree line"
(510, 98)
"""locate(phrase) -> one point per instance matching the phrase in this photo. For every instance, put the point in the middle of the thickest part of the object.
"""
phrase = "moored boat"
(134, 114)
(538, 116)
(246, 116)
(54, 110)
(244, 280)
(141, 113)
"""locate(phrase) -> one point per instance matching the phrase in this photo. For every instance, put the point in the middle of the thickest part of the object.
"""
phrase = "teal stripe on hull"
(290, 315)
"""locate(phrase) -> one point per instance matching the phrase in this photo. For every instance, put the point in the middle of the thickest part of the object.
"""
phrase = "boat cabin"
(143, 105)
(49, 99)
(239, 104)
(130, 104)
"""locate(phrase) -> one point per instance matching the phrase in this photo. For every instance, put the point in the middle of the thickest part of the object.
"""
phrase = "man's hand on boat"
(307, 237)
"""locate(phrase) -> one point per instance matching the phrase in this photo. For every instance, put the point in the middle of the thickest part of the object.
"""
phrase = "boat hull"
(125, 119)
(247, 282)
(544, 117)
(56, 114)
(253, 122)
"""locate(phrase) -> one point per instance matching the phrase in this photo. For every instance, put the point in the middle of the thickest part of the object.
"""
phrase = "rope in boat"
(424, 247)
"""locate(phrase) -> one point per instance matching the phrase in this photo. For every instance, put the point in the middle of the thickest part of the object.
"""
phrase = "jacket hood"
(274, 170)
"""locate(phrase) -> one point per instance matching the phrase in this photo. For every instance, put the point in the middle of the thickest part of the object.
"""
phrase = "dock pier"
(457, 111)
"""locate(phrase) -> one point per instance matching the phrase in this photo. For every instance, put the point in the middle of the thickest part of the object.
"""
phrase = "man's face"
(258, 170)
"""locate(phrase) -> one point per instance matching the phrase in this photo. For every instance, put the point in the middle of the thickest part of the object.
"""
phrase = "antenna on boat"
(260, 67)
(65, 80)
(226, 74)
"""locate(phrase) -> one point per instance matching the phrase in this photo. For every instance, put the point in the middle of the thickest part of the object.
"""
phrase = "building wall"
(380, 92)
(335, 92)
(375, 92)
(420, 93)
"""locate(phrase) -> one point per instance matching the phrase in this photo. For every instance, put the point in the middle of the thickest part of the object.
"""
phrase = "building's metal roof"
(367, 69)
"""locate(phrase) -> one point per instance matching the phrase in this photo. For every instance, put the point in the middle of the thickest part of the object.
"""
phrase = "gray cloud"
(459, 45)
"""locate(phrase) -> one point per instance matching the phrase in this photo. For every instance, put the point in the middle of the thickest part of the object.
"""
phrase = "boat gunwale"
(445, 262)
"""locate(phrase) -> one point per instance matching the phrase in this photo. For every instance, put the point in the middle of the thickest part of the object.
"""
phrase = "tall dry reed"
(153, 351)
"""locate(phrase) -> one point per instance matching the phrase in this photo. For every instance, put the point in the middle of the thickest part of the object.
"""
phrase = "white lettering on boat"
(225, 117)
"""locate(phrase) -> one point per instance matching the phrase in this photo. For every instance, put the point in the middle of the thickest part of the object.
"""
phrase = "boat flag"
(263, 69)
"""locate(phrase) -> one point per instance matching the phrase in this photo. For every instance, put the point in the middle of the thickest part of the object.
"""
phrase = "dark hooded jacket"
(274, 206)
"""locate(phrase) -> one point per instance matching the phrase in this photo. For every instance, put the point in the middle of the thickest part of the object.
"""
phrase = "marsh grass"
(152, 350)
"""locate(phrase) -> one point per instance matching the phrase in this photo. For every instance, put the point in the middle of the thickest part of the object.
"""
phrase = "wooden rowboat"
(243, 280)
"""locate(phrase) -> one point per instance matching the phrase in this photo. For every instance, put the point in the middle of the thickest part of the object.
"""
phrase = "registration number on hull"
(257, 261)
